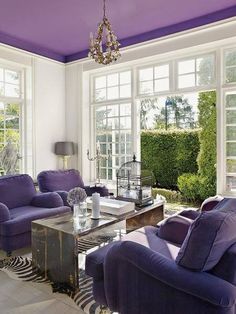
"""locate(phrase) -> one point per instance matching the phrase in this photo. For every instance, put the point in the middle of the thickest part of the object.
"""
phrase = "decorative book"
(112, 206)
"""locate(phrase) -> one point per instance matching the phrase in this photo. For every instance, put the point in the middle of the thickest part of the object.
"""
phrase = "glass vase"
(80, 210)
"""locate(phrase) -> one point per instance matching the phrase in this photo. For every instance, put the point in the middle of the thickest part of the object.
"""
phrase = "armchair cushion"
(210, 235)
(174, 229)
(4, 213)
(48, 200)
(60, 180)
(146, 236)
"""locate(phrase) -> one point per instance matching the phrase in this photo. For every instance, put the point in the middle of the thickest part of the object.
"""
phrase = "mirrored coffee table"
(57, 241)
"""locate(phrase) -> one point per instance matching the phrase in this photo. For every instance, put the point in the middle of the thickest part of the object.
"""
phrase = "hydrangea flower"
(76, 196)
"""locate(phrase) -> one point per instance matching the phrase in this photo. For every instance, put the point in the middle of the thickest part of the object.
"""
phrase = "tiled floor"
(17, 297)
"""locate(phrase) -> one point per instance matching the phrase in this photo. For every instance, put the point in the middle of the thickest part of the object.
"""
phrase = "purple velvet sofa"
(141, 274)
(62, 181)
(20, 204)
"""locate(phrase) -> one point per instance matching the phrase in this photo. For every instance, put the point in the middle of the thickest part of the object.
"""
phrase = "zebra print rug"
(20, 268)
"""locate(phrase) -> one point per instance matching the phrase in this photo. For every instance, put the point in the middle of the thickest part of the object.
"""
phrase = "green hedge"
(203, 185)
(169, 154)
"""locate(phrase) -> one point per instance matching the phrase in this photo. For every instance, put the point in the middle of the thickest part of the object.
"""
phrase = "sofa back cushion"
(16, 190)
(174, 229)
(61, 180)
(209, 237)
(226, 268)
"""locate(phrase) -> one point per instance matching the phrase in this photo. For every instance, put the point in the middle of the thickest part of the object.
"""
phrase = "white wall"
(73, 110)
(49, 112)
(78, 117)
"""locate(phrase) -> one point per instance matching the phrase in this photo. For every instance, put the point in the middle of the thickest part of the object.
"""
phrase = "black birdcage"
(134, 184)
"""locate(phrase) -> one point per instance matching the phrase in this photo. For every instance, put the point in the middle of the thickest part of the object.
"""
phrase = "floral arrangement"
(76, 196)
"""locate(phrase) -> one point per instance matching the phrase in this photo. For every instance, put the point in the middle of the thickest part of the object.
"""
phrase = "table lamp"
(64, 150)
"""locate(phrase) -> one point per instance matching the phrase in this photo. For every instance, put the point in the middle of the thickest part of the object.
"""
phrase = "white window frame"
(118, 101)
(233, 48)
(25, 79)
(18, 101)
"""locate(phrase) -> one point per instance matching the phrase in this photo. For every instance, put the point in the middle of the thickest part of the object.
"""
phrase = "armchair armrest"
(199, 284)
(47, 200)
(4, 213)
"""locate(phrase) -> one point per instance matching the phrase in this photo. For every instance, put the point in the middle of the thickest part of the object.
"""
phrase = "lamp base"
(65, 162)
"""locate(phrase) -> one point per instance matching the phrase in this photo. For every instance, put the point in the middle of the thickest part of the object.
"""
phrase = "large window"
(114, 135)
(165, 95)
(113, 122)
(11, 111)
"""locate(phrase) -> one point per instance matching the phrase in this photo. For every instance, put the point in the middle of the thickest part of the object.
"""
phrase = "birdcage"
(134, 184)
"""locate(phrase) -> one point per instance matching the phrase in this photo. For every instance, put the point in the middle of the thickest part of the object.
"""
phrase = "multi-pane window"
(168, 97)
(113, 133)
(154, 79)
(196, 72)
(112, 86)
(9, 83)
(230, 66)
(230, 140)
(9, 124)
(10, 110)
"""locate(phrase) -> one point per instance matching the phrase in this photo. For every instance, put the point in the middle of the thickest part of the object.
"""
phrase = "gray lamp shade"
(64, 148)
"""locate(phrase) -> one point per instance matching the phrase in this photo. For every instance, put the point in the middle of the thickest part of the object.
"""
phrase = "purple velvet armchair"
(20, 204)
(140, 274)
(62, 181)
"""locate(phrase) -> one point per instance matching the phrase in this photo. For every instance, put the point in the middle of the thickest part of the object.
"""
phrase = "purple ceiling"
(60, 29)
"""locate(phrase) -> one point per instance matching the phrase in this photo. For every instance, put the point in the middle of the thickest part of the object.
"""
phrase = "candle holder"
(98, 158)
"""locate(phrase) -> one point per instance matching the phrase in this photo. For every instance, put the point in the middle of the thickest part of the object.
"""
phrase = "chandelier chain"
(104, 9)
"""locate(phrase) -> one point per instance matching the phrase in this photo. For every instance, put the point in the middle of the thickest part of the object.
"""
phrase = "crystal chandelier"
(110, 45)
